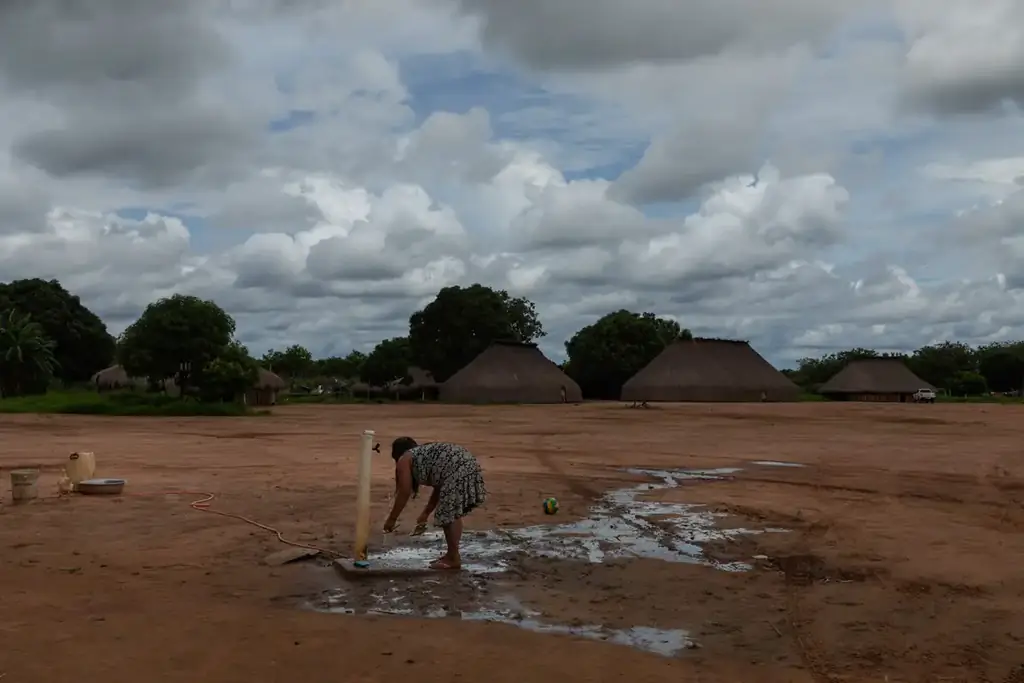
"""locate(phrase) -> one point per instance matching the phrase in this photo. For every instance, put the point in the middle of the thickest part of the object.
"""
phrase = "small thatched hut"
(264, 392)
(115, 377)
(874, 379)
(422, 385)
(510, 372)
(709, 370)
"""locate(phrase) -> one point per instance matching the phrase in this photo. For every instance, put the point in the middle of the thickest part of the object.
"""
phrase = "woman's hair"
(400, 445)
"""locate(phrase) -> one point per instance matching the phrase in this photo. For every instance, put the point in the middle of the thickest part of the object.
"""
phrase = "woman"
(458, 485)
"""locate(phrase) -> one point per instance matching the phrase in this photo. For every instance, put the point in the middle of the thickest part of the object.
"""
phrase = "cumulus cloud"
(964, 57)
(754, 169)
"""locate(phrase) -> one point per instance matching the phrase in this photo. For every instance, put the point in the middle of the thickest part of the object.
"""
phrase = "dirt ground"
(903, 559)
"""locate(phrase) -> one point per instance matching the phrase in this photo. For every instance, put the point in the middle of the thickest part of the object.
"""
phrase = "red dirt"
(905, 560)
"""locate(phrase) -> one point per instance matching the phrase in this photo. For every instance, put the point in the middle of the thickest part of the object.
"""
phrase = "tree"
(176, 337)
(967, 383)
(388, 361)
(1002, 366)
(82, 345)
(294, 361)
(602, 356)
(939, 364)
(229, 375)
(342, 367)
(27, 361)
(461, 322)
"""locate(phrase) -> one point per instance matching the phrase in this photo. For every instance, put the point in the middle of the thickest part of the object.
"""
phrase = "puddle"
(620, 525)
(778, 463)
(507, 610)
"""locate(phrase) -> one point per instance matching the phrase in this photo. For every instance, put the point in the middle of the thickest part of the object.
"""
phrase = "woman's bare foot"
(446, 563)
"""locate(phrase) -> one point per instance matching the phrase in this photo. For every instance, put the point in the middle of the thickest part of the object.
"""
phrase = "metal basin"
(101, 487)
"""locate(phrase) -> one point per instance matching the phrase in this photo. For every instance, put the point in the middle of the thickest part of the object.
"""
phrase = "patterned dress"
(454, 471)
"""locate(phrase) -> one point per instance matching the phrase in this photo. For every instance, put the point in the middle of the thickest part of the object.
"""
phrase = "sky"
(806, 175)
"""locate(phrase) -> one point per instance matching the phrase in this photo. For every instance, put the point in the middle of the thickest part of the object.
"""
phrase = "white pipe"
(363, 495)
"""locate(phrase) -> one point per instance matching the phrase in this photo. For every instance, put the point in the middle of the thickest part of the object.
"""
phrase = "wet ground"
(800, 543)
(621, 525)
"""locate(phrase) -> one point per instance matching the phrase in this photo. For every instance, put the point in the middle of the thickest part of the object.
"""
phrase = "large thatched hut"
(510, 372)
(874, 379)
(264, 392)
(709, 370)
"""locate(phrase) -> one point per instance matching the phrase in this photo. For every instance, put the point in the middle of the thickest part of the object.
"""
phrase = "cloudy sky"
(807, 175)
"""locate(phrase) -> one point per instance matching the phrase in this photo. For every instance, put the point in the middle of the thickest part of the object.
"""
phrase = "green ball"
(550, 506)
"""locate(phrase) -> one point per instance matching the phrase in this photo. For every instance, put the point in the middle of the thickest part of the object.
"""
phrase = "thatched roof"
(509, 372)
(874, 376)
(115, 377)
(268, 380)
(421, 379)
(709, 370)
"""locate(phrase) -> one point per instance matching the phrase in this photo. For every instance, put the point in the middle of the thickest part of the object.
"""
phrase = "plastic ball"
(550, 506)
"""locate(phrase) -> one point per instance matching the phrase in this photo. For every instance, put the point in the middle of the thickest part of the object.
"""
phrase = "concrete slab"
(385, 568)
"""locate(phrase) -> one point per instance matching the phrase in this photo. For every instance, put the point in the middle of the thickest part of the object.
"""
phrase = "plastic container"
(24, 485)
(81, 466)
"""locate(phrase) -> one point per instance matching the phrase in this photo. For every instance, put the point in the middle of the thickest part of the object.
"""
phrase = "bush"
(118, 403)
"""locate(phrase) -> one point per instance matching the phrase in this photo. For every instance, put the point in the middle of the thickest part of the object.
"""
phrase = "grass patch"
(118, 404)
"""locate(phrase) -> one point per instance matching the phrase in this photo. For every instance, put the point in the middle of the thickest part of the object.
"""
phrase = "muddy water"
(620, 525)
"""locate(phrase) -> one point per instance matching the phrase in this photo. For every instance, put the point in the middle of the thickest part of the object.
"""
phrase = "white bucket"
(24, 485)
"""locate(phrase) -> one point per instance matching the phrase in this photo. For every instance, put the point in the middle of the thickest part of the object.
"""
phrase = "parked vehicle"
(924, 396)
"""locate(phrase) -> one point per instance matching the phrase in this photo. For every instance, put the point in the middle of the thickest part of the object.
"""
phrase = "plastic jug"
(81, 466)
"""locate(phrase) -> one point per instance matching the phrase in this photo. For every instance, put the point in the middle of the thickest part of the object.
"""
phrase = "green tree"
(1002, 366)
(602, 356)
(229, 375)
(178, 337)
(82, 345)
(27, 361)
(461, 322)
(389, 360)
(939, 364)
(342, 367)
(967, 383)
(294, 361)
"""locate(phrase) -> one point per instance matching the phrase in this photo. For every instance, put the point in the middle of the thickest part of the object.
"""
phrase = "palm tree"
(26, 355)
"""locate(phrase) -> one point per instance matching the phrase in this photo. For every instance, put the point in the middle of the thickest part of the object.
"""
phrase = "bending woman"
(458, 483)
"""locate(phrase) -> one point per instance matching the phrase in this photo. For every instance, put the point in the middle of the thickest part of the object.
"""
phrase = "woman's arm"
(403, 489)
(431, 505)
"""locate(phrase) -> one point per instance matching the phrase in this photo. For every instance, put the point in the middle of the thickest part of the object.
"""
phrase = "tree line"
(47, 335)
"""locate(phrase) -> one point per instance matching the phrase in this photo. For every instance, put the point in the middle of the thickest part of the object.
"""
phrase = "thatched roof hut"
(874, 379)
(269, 380)
(511, 372)
(709, 370)
(115, 377)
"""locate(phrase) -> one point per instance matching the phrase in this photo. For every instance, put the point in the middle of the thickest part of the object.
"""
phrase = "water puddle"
(778, 463)
(623, 524)
(504, 610)
(620, 525)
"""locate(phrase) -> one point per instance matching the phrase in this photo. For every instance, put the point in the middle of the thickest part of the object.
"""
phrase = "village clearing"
(899, 554)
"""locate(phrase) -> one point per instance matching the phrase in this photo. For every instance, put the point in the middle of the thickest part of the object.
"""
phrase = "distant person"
(564, 400)
(458, 482)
